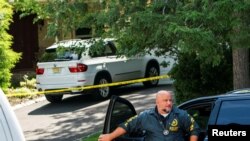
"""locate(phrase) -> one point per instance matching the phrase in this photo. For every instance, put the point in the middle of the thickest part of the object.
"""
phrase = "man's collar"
(156, 113)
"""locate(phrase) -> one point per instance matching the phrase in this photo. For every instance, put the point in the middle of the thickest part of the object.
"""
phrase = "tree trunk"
(241, 68)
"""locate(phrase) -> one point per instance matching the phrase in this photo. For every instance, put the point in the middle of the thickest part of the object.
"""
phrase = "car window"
(120, 110)
(201, 114)
(100, 50)
(234, 112)
(200, 111)
(110, 49)
(67, 54)
(62, 53)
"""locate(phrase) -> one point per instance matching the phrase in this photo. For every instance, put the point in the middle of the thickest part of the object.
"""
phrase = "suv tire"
(103, 92)
(151, 71)
(54, 98)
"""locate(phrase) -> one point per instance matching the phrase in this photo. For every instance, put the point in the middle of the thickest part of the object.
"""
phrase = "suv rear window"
(234, 112)
(60, 55)
(64, 51)
(74, 50)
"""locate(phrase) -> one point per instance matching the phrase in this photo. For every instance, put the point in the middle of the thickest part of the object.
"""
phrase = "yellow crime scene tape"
(90, 87)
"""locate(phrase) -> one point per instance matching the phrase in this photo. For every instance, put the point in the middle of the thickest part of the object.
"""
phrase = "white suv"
(77, 63)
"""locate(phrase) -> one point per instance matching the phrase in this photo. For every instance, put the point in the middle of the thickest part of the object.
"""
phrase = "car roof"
(75, 42)
(240, 93)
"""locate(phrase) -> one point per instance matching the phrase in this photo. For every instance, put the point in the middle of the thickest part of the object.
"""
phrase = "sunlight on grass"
(93, 137)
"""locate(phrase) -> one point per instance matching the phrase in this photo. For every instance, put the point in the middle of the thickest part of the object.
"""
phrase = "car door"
(5, 132)
(230, 113)
(10, 129)
(119, 110)
(122, 67)
(200, 110)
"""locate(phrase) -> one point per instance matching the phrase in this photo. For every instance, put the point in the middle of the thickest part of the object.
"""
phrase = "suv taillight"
(78, 68)
(39, 71)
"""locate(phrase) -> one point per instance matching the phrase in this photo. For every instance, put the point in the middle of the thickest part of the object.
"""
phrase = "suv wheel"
(103, 92)
(151, 71)
(54, 98)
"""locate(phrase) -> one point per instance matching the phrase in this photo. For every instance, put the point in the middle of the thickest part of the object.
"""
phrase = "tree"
(241, 67)
(7, 56)
(203, 27)
(63, 16)
(239, 38)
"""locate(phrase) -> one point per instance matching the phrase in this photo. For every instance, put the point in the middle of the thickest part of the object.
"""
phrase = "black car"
(226, 109)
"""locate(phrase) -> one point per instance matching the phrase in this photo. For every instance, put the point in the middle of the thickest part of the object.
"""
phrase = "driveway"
(77, 116)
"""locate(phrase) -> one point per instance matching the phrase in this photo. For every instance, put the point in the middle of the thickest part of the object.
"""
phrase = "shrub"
(194, 78)
(7, 56)
(28, 83)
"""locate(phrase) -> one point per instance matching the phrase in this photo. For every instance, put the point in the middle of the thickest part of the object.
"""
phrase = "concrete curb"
(18, 106)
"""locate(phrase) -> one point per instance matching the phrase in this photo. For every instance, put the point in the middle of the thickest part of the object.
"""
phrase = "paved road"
(77, 116)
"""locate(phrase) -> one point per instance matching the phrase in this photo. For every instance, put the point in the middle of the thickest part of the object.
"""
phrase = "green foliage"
(97, 49)
(240, 33)
(7, 56)
(65, 52)
(194, 78)
(198, 26)
(28, 83)
(200, 29)
(24, 86)
(63, 16)
(47, 57)
(21, 90)
(93, 137)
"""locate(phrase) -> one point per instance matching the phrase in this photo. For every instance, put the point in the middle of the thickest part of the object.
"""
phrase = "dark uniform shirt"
(174, 127)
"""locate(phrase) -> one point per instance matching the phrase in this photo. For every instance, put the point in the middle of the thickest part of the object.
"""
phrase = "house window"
(83, 33)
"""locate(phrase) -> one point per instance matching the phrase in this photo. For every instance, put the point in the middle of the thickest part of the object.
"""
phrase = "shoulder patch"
(129, 120)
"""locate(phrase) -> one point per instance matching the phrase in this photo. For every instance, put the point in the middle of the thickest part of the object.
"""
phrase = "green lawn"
(93, 137)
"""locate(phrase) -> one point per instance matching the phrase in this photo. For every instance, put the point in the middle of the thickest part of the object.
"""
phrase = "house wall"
(43, 41)
(30, 38)
(25, 40)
